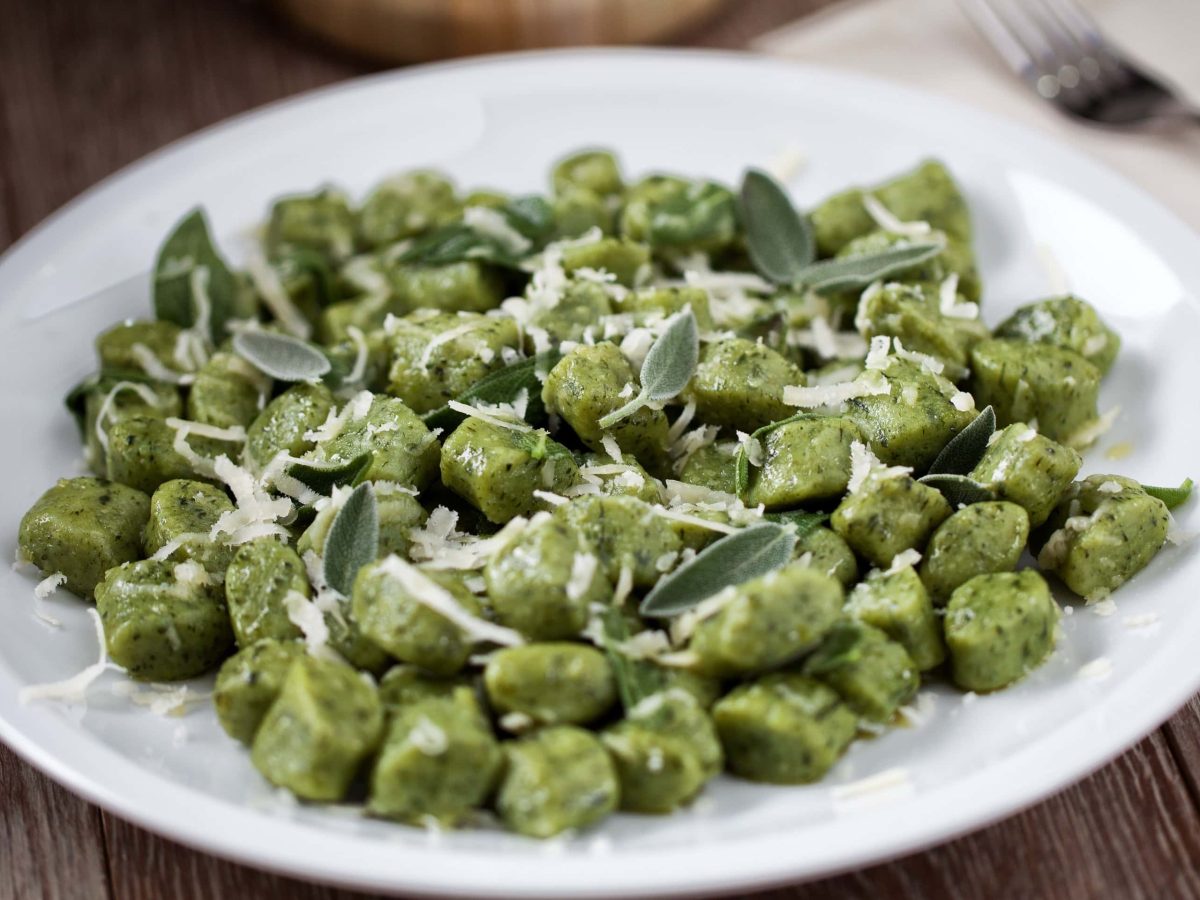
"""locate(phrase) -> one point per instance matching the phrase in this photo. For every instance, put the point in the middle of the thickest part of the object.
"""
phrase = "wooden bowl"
(422, 30)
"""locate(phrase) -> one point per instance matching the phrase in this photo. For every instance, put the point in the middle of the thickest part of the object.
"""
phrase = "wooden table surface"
(87, 87)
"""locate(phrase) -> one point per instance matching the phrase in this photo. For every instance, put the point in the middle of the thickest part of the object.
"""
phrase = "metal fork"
(1058, 48)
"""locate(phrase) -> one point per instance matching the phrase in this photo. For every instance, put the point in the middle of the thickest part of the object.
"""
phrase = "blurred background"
(87, 86)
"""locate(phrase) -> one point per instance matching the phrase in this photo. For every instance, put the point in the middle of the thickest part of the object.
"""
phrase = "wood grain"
(51, 842)
(86, 88)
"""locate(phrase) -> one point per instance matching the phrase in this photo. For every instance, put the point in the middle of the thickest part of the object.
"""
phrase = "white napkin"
(931, 44)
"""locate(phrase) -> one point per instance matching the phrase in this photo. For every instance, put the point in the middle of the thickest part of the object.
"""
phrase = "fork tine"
(1068, 50)
(1003, 39)
(1042, 71)
(1098, 63)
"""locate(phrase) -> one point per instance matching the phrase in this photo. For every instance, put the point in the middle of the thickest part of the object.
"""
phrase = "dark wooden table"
(86, 87)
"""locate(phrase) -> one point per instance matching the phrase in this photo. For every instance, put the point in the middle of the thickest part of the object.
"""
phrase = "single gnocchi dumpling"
(500, 469)
(81, 528)
(325, 723)
(999, 627)
(1103, 533)
(164, 621)
(1029, 469)
(554, 779)
(439, 760)
(1039, 383)
(784, 728)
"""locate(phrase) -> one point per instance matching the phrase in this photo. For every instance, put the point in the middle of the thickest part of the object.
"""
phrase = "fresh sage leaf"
(734, 559)
(800, 521)
(959, 490)
(294, 261)
(854, 272)
(189, 265)
(353, 539)
(281, 356)
(503, 386)
(668, 366)
(530, 216)
(636, 679)
(1173, 497)
(966, 449)
(324, 478)
(780, 240)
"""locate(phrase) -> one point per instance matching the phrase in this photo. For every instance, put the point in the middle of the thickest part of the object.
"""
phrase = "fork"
(1060, 51)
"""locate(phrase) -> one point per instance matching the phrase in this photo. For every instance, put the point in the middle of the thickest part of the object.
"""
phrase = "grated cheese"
(275, 296)
(428, 737)
(1096, 670)
(153, 366)
(612, 448)
(583, 570)
(73, 689)
(752, 447)
(903, 560)
(304, 614)
(432, 595)
(143, 391)
(687, 519)
(929, 363)
(864, 464)
(624, 586)
(49, 585)
(491, 223)
(830, 394)
(962, 401)
(886, 786)
(888, 221)
(1145, 620)
(948, 304)
(493, 415)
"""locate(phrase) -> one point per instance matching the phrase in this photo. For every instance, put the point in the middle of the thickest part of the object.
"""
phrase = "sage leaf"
(959, 490)
(779, 239)
(734, 559)
(1173, 497)
(281, 356)
(324, 478)
(966, 449)
(189, 265)
(636, 679)
(800, 521)
(856, 272)
(294, 261)
(503, 386)
(530, 216)
(353, 539)
(668, 366)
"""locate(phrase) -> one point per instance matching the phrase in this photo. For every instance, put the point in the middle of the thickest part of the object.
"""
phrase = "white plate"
(501, 122)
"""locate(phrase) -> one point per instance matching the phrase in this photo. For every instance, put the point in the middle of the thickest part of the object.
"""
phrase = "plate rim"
(761, 873)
